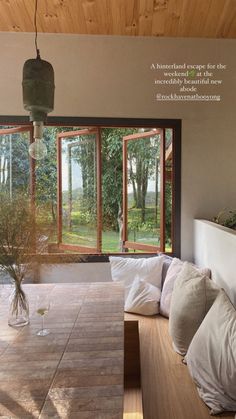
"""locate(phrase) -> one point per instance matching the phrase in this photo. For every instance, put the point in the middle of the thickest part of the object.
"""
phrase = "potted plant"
(226, 218)
(19, 239)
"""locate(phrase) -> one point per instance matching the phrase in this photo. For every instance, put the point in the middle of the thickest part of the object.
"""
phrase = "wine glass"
(43, 306)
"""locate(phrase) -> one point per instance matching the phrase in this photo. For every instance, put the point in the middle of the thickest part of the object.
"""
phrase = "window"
(79, 191)
(14, 160)
(144, 191)
(103, 188)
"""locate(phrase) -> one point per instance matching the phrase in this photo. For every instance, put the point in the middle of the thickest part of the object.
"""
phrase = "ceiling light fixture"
(38, 95)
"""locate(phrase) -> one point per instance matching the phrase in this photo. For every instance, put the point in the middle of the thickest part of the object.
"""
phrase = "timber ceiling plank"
(131, 17)
(197, 21)
(213, 18)
(118, 18)
(145, 17)
(51, 17)
(91, 13)
(227, 22)
(188, 17)
(12, 18)
(105, 17)
(173, 16)
(159, 17)
(169, 18)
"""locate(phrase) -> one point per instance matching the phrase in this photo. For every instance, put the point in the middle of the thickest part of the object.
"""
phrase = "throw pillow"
(172, 273)
(192, 297)
(143, 298)
(211, 357)
(126, 269)
(167, 262)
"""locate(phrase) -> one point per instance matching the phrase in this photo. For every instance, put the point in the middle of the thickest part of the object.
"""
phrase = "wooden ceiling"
(169, 18)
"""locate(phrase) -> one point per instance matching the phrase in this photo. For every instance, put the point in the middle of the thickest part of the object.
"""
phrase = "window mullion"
(99, 190)
(162, 192)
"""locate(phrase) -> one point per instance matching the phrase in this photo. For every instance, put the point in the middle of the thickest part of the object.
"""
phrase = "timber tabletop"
(77, 370)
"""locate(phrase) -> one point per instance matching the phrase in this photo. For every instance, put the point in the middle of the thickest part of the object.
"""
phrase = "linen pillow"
(126, 269)
(172, 273)
(192, 297)
(165, 267)
(143, 298)
(211, 357)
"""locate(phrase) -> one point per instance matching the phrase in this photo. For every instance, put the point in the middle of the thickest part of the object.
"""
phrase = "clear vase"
(19, 307)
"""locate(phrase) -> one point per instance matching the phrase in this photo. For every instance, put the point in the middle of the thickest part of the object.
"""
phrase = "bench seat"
(168, 391)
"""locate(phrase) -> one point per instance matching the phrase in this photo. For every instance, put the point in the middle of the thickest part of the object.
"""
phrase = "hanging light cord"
(36, 29)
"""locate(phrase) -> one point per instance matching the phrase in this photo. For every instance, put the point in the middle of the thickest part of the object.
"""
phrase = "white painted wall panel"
(215, 247)
(110, 77)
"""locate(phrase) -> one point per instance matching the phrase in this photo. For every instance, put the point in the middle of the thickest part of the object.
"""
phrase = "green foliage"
(83, 217)
(148, 230)
(14, 167)
(143, 165)
(79, 205)
(85, 155)
(112, 176)
(226, 218)
(46, 176)
(19, 235)
(168, 208)
(142, 156)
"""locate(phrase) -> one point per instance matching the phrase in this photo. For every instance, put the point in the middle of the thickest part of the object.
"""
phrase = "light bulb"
(38, 150)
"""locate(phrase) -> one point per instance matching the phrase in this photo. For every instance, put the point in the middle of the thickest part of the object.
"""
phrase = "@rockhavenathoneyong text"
(195, 97)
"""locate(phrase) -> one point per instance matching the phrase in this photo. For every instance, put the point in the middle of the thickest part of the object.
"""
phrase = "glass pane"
(112, 187)
(168, 187)
(144, 190)
(79, 191)
(46, 185)
(14, 163)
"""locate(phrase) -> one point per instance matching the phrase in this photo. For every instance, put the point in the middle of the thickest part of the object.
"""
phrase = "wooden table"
(76, 371)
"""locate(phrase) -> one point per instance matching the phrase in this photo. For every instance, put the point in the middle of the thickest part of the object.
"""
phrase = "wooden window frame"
(69, 134)
(134, 245)
(16, 130)
(175, 124)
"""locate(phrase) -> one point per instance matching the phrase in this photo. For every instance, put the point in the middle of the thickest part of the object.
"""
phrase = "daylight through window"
(99, 189)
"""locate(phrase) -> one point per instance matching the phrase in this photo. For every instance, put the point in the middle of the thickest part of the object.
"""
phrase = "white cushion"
(143, 298)
(211, 357)
(192, 297)
(167, 262)
(172, 273)
(126, 269)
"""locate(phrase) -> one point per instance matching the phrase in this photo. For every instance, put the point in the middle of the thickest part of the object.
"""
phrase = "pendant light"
(38, 95)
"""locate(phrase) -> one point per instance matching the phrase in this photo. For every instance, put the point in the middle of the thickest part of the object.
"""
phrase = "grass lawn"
(83, 234)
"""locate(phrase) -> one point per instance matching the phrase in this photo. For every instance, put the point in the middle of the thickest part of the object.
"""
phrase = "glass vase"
(19, 307)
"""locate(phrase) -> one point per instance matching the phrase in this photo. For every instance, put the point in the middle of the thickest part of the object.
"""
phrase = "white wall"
(214, 247)
(111, 77)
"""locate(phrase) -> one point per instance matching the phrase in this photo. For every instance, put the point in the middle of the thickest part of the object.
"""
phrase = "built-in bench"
(133, 408)
(168, 391)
